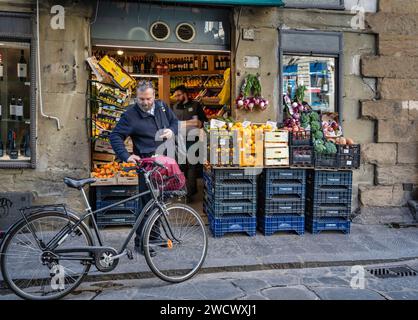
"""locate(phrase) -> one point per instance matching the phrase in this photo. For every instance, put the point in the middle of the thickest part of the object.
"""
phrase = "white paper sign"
(252, 62)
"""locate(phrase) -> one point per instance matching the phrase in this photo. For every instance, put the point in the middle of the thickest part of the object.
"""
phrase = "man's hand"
(133, 158)
(195, 123)
(167, 134)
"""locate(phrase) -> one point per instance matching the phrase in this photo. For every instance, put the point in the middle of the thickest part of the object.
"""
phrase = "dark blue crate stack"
(328, 201)
(282, 201)
(123, 214)
(230, 200)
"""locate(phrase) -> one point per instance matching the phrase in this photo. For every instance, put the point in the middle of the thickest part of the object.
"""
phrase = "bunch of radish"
(249, 103)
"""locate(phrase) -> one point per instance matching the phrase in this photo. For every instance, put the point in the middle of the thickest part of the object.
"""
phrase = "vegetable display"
(250, 96)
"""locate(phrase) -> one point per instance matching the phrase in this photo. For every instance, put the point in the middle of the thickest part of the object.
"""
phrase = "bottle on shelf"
(142, 66)
(11, 144)
(1, 68)
(196, 63)
(205, 65)
(25, 146)
(12, 110)
(166, 68)
(191, 67)
(1, 112)
(217, 63)
(19, 109)
(22, 67)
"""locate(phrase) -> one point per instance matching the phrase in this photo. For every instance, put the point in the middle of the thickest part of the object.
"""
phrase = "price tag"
(216, 124)
(245, 124)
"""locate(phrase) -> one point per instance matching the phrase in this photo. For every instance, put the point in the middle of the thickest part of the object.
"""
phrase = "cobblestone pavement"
(330, 283)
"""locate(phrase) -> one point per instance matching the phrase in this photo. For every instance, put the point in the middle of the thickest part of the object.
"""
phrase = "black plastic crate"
(328, 209)
(317, 225)
(270, 225)
(331, 195)
(322, 178)
(230, 206)
(115, 220)
(248, 175)
(300, 138)
(349, 150)
(103, 192)
(276, 175)
(302, 156)
(230, 189)
(326, 161)
(129, 205)
(240, 223)
(280, 206)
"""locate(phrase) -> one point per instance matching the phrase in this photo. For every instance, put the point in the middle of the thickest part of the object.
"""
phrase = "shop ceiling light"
(120, 52)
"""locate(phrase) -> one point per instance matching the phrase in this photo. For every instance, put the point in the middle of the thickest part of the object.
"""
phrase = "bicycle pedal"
(129, 254)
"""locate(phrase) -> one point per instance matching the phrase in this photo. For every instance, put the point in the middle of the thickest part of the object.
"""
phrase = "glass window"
(317, 74)
(15, 102)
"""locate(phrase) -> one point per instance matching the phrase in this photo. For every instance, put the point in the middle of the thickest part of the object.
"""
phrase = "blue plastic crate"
(328, 209)
(317, 225)
(230, 189)
(331, 195)
(320, 178)
(276, 175)
(129, 205)
(281, 206)
(220, 175)
(230, 207)
(239, 223)
(270, 225)
(271, 190)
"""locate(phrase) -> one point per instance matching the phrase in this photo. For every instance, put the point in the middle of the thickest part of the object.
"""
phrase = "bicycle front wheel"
(175, 243)
(36, 274)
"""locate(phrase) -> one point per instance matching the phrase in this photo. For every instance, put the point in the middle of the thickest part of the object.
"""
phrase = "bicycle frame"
(69, 228)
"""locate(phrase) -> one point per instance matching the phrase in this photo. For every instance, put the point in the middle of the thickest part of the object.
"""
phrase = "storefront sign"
(233, 2)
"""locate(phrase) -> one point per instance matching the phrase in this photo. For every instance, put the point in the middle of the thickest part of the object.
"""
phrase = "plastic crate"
(328, 210)
(326, 161)
(302, 156)
(330, 178)
(270, 225)
(283, 189)
(282, 206)
(316, 226)
(115, 220)
(230, 189)
(221, 175)
(329, 194)
(349, 150)
(275, 175)
(228, 207)
(116, 191)
(300, 138)
(129, 205)
(240, 223)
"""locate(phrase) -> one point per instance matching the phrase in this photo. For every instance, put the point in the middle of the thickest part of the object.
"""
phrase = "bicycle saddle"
(78, 183)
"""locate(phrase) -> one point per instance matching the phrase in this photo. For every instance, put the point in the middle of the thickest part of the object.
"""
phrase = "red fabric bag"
(169, 179)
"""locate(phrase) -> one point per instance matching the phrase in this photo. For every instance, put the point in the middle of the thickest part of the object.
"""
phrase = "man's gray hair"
(144, 85)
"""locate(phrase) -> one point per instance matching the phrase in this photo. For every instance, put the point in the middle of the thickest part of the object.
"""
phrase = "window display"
(15, 97)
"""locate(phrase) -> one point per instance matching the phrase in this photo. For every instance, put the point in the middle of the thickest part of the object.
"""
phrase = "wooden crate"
(279, 136)
(277, 153)
(277, 162)
(105, 181)
(103, 146)
(127, 181)
(105, 157)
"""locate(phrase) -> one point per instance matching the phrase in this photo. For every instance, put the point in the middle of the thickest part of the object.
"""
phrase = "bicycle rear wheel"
(179, 241)
(36, 274)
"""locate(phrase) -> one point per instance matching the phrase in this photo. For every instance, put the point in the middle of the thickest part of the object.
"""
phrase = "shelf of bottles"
(14, 102)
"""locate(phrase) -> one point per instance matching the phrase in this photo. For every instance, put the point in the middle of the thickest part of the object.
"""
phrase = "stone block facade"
(395, 151)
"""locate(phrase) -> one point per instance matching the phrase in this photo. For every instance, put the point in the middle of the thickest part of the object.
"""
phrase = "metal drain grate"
(392, 272)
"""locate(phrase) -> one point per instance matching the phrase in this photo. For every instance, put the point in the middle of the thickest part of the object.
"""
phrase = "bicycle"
(47, 254)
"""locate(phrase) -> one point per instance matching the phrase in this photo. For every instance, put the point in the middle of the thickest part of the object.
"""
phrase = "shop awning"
(275, 3)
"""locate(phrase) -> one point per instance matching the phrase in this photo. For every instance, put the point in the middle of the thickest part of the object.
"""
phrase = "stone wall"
(357, 43)
(394, 151)
(64, 74)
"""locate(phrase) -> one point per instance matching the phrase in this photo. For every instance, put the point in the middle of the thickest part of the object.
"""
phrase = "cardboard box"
(119, 76)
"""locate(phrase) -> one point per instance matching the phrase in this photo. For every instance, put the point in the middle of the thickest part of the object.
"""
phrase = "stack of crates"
(230, 200)
(329, 200)
(282, 201)
(123, 214)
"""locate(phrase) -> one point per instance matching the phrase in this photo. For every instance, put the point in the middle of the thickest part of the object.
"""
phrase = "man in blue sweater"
(149, 122)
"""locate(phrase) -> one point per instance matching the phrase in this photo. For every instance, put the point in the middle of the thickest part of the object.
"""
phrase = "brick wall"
(395, 149)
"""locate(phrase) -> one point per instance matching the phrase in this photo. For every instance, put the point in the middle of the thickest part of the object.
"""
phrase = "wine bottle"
(205, 63)
(1, 67)
(1, 148)
(165, 67)
(190, 64)
(25, 146)
(12, 109)
(142, 67)
(196, 63)
(13, 153)
(22, 67)
(217, 67)
(19, 109)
